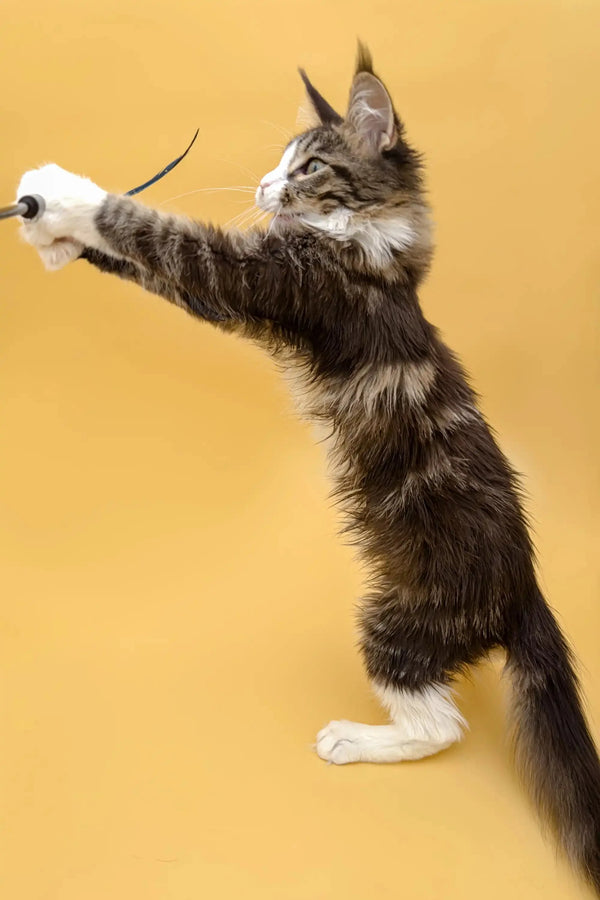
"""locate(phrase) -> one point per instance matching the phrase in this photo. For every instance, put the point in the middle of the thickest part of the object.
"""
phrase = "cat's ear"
(323, 113)
(370, 109)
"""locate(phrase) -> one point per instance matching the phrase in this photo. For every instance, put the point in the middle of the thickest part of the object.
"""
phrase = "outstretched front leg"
(151, 282)
(241, 277)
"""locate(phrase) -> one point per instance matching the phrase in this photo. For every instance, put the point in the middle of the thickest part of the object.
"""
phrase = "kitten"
(330, 289)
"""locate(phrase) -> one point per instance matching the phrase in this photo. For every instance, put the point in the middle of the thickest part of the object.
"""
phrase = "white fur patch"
(366, 387)
(423, 722)
(67, 222)
(418, 381)
(378, 238)
(269, 190)
(448, 418)
(377, 383)
(428, 714)
(60, 252)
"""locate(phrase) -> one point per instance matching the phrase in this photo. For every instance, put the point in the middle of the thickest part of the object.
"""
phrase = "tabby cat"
(330, 289)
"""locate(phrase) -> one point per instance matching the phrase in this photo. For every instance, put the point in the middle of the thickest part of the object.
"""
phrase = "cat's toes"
(339, 742)
(60, 253)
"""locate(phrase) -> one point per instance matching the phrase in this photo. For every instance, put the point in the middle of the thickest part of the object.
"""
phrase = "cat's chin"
(285, 217)
(285, 220)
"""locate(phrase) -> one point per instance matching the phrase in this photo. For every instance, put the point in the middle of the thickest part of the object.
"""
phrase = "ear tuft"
(325, 113)
(364, 60)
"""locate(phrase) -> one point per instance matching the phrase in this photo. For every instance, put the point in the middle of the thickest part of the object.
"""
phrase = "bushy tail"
(554, 749)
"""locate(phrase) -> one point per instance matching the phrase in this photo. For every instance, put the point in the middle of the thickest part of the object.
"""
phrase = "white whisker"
(254, 219)
(243, 189)
(242, 217)
(274, 219)
(259, 220)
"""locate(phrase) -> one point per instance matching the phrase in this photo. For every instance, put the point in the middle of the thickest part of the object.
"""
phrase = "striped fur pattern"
(331, 290)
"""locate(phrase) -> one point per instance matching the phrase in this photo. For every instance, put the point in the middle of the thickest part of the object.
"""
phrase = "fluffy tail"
(554, 749)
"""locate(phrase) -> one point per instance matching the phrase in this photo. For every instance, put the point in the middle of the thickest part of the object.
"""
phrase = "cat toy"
(32, 206)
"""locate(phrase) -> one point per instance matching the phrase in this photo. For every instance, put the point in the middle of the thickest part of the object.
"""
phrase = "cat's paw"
(67, 222)
(340, 742)
(60, 252)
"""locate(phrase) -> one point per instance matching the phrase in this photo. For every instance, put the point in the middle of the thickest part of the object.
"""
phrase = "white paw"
(340, 742)
(59, 253)
(71, 205)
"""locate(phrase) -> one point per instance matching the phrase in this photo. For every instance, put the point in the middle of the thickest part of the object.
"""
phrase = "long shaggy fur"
(428, 496)
(554, 750)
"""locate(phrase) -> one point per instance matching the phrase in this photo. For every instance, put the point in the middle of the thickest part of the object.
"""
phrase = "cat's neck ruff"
(379, 238)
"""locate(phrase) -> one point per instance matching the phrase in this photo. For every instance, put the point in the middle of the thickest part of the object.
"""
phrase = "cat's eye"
(309, 168)
(313, 165)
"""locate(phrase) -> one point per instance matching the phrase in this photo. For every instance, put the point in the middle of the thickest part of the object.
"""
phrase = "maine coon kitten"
(331, 290)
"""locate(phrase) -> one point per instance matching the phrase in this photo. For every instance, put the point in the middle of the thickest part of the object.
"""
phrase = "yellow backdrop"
(177, 611)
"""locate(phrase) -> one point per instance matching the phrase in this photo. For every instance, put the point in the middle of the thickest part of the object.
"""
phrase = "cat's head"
(354, 177)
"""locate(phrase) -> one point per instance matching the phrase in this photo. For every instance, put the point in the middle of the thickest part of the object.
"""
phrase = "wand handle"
(29, 207)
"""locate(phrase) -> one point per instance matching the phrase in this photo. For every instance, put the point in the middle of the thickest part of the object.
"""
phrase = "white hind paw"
(348, 742)
(340, 742)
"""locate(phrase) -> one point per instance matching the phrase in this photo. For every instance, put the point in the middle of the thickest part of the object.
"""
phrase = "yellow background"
(177, 610)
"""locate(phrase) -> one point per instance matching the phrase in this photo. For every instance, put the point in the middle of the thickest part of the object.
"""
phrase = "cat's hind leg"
(423, 722)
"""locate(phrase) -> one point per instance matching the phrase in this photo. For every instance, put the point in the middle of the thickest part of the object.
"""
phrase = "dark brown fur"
(429, 497)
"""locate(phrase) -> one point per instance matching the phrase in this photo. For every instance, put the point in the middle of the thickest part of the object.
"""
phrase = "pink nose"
(265, 184)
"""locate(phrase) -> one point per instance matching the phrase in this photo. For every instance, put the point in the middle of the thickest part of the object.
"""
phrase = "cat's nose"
(265, 184)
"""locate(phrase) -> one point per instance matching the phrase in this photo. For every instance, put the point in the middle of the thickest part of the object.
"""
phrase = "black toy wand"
(32, 205)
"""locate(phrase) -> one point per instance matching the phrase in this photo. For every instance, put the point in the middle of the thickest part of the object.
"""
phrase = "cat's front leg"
(67, 222)
(247, 278)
